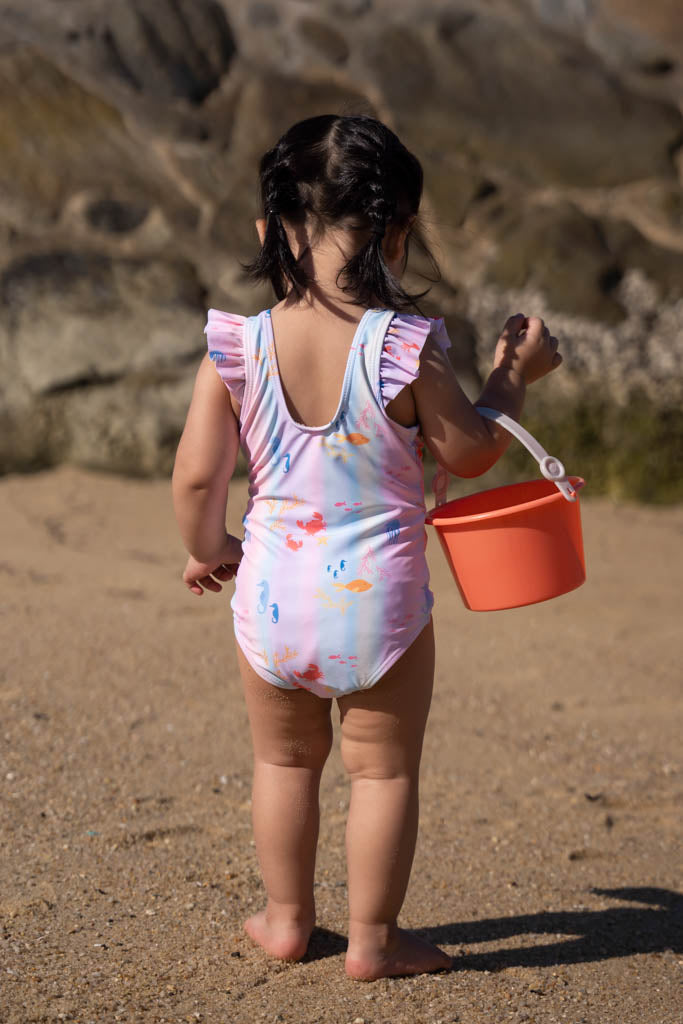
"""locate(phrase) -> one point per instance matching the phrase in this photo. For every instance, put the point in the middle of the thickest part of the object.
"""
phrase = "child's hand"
(200, 575)
(527, 347)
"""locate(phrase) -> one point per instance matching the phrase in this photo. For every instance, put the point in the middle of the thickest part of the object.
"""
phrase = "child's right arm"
(462, 441)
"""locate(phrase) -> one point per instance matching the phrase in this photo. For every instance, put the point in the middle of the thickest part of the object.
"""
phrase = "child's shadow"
(599, 934)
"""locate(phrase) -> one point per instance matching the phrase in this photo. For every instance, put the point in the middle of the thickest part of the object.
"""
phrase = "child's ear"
(261, 229)
(395, 241)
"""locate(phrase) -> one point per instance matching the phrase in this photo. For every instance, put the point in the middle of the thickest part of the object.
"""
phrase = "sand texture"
(549, 856)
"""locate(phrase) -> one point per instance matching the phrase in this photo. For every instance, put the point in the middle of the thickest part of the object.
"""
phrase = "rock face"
(551, 136)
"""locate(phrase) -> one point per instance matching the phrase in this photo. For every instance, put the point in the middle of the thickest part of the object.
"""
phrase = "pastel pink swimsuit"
(333, 585)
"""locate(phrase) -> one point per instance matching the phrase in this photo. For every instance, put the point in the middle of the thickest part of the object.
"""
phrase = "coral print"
(287, 655)
(339, 604)
(369, 566)
(368, 421)
(285, 505)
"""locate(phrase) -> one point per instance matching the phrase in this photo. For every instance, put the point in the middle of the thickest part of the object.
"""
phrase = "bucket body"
(513, 545)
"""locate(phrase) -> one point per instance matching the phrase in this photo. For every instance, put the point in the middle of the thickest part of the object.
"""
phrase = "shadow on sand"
(598, 934)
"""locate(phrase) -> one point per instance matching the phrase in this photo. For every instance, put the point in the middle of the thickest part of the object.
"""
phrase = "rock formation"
(551, 136)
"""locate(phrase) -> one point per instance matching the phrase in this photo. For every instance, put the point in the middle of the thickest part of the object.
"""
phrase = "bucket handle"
(551, 468)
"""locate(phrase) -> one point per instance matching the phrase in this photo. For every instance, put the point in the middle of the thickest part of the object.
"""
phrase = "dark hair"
(338, 168)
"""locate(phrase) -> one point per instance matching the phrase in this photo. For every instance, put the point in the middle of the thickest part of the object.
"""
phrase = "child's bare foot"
(393, 953)
(284, 939)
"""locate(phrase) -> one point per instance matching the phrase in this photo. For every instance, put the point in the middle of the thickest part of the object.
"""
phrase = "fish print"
(263, 599)
(355, 586)
(314, 525)
(312, 673)
(344, 505)
(353, 438)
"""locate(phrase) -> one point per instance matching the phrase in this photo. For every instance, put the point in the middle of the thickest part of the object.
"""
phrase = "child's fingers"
(513, 326)
(557, 360)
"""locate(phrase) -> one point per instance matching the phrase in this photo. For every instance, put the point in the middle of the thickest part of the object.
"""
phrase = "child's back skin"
(338, 266)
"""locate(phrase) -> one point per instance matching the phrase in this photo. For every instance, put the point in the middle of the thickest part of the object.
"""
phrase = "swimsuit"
(333, 585)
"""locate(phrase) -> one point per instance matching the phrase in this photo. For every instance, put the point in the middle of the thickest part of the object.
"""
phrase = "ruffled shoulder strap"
(403, 343)
(225, 338)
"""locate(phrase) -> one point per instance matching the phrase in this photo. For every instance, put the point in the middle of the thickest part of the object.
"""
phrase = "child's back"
(333, 584)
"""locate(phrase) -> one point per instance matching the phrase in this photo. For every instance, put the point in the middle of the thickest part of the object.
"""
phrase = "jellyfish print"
(393, 529)
(428, 599)
(263, 598)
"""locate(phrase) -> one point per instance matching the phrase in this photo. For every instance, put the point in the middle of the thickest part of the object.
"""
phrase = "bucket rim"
(434, 519)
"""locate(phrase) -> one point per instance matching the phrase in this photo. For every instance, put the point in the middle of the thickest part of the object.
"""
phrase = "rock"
(324, 39)
(519, 98)
(561, 252)
(163, 49)
(76, 318)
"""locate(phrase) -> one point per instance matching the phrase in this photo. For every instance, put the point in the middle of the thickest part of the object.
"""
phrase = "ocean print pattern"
(333, 585)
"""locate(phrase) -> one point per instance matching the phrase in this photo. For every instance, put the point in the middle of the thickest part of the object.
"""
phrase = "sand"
(549, 859)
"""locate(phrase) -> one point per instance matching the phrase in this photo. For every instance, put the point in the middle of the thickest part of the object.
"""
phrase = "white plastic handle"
(551, 468)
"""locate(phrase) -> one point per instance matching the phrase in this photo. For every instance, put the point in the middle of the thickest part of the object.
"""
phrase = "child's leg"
(292, 735)
(382, 732)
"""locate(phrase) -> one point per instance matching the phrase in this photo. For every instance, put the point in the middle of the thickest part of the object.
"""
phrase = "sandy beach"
(549, 858)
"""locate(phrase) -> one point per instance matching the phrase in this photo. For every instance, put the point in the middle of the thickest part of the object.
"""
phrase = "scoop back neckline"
(346, 380)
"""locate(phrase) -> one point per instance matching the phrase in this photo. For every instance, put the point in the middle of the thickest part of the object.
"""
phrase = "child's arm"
(204, 464)
(461, 440)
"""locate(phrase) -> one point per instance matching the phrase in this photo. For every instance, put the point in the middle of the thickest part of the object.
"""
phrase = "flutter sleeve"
(400, 359)
(225, 338)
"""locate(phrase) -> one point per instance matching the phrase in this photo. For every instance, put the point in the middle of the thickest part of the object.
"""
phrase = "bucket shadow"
(599, 934)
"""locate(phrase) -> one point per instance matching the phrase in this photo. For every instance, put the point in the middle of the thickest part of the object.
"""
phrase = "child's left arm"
(204, 464)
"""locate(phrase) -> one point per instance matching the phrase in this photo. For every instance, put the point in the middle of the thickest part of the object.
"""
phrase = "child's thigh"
(288, 727)
(383, 727)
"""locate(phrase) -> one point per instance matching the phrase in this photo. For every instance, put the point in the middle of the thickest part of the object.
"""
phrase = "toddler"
(331, 394)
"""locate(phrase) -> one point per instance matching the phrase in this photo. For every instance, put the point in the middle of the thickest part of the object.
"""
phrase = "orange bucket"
(515, 545)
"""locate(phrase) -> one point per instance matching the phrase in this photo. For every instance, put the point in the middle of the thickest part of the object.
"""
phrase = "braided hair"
(340, 170)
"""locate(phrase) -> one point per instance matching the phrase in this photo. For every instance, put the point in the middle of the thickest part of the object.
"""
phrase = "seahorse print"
(340, 568)
(263, 598)
(275, 617)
